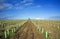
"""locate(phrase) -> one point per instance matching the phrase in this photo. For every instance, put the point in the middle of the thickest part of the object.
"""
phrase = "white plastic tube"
(8, 31)
(5, 34)
(46, 34)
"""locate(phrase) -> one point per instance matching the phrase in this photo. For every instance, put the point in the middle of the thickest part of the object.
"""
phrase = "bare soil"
(28, 31)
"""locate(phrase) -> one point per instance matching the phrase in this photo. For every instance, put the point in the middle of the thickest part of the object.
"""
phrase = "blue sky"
(23, 9)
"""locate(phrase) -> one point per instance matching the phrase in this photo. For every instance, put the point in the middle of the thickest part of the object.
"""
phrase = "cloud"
(5, 6)
(1, 7)
(39, 18)
(36, 6)
(7, 17)
(28, 4)
(27, 1)
(18, 5)
(1, 1)
(8, 5)
(55, 17)
(23, 4)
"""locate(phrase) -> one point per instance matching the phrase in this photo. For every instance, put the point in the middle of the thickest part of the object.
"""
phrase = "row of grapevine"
(51, 26)
(10, 32)
(42, 31)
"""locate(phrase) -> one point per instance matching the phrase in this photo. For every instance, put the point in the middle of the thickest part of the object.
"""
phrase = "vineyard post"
(38, 27)
(14, 29)
(42, 30)
(58, 26)
(11, 32)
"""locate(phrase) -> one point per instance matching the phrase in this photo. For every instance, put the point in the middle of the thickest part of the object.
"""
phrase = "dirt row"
(28, 31)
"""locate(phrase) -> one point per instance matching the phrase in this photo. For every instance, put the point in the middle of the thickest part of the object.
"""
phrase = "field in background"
(50, 29)
(6, 23)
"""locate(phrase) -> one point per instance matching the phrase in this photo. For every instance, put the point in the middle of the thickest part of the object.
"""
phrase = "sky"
(24, 9)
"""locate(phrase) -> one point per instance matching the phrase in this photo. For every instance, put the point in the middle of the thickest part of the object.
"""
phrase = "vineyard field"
(29, 29)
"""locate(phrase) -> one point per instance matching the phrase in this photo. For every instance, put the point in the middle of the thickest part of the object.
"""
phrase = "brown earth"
(28, 31)
(50, 27)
